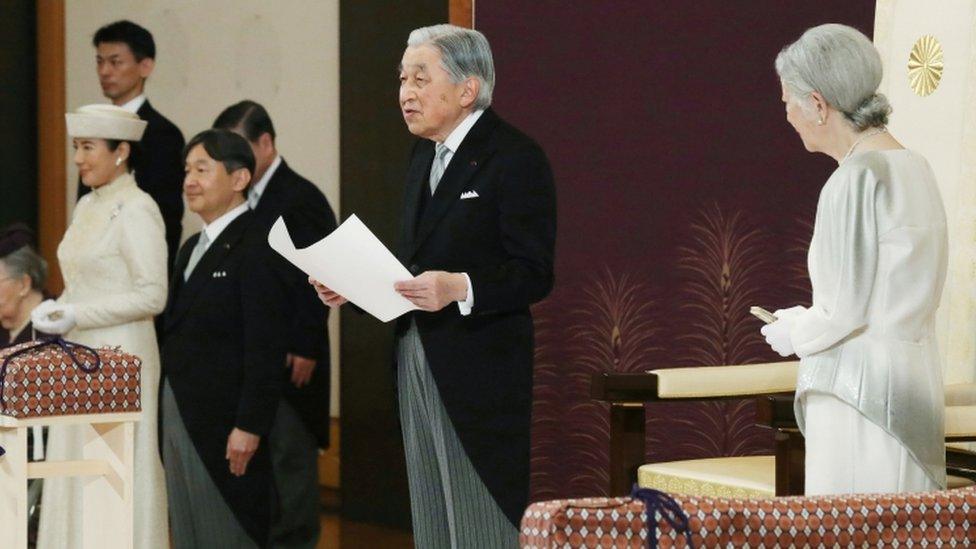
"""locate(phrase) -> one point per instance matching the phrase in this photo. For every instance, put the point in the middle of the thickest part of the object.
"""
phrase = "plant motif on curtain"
(798, 283)
(723, 266)
(548, 407)
(612, 328)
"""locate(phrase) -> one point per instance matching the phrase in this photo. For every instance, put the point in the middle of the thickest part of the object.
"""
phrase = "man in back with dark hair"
(302, 422)
(125, 57)
(222, 353)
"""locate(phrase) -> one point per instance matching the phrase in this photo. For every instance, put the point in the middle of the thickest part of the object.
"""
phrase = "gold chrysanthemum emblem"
(925, 65)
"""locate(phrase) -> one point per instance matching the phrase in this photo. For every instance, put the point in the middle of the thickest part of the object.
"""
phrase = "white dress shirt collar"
(218, 225)
(134, 104)
(256, 190)
(454, 140)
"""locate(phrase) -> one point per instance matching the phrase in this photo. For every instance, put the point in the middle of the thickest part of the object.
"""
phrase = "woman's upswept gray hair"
(465, 53)
(25, 261)
(843, 66)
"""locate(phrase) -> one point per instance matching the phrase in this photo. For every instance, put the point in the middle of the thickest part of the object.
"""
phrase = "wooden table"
(107, 462)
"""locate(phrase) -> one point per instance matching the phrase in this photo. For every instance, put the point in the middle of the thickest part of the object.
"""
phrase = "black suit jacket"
(159, 172)
(25, 335)
(223, 351)
(309, 219)
(504, 239)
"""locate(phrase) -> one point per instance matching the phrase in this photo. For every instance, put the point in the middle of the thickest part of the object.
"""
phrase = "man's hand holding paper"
(434, 290)
(349, 264)
(430, 291)
(327, 296)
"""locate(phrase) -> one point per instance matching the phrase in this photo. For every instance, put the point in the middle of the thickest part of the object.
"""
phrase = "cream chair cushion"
(960, 394)
(724, 381)
(746, 476)
(960, 421)
(955, 482)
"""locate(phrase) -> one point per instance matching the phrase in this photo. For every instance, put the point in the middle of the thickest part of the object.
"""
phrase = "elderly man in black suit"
(125, 57)
(302, 422)
(222, 352)
(478, 232)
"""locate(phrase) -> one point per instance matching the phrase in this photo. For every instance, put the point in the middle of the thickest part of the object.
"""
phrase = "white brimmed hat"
(105, 122)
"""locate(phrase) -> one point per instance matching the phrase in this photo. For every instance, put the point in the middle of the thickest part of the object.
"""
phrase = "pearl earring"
(118, 161)
(820, 121)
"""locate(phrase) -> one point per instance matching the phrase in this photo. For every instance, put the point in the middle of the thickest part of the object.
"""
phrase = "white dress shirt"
(218, 225)
(452, 143)
(134, 104)
(256, 190)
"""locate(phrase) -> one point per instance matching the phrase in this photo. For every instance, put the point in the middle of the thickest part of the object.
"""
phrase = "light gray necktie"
(196, 254)
(253, 197)
(438, 167)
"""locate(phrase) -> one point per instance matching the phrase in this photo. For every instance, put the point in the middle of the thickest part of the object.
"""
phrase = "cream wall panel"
(941, 126)
(213, 53)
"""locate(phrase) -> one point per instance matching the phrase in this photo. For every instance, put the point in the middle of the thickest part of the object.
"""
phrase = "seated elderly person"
(23, 274)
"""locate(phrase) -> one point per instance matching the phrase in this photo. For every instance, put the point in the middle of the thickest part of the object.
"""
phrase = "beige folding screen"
(928, 48)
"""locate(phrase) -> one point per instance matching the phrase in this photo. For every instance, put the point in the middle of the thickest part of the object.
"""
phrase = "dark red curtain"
(684, 198)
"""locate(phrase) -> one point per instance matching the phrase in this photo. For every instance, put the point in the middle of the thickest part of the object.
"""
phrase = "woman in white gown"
(113, 259)
(869, 396)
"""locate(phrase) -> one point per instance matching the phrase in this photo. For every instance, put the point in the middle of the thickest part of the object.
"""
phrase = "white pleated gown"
(113, 259)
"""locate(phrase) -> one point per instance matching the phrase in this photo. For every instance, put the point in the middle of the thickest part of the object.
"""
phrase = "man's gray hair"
(841, 64)
(465, 53)
(25, 261)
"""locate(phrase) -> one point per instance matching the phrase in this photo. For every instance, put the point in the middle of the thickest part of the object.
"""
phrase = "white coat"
(113, 260)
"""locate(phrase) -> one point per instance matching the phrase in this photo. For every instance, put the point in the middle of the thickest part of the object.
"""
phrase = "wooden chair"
(626, 393)
(771, 385)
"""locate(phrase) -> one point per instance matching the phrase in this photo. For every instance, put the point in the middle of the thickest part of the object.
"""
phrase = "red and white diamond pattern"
(47, 382)
(935, 519)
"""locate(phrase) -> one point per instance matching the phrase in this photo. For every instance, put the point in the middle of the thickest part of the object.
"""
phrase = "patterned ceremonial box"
(933, 519)
(56, 377)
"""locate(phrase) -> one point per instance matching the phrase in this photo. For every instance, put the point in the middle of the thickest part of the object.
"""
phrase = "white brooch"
(219, 274)
(116, 211)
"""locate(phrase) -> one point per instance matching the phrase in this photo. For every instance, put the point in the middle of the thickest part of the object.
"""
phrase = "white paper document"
(353, 263)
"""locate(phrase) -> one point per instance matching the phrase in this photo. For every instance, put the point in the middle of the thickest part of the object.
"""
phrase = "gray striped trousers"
(450, 505)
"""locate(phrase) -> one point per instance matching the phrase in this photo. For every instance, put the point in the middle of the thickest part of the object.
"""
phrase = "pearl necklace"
(862, 138)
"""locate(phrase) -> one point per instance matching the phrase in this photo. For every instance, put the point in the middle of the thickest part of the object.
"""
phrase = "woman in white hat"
(113, 259)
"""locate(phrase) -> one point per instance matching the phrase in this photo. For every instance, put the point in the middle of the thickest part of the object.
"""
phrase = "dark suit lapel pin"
(226, 246)
(474, 163)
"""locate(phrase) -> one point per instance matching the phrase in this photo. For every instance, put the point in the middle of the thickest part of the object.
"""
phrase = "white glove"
(790, 313)
(778, 333)
(52, 317)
